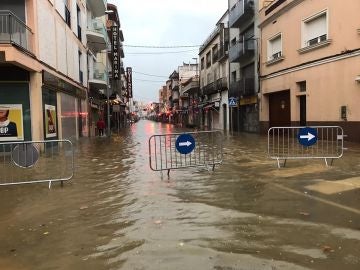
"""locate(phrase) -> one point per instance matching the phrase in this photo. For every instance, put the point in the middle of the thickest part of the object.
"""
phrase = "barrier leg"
(331, 162)
(279, 163)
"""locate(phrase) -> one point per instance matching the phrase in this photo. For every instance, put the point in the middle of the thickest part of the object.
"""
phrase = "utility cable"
(161, 52)
(161, 47)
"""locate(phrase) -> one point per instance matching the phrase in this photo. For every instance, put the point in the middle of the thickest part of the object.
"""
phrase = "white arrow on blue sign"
(185, 143)
(307, 136)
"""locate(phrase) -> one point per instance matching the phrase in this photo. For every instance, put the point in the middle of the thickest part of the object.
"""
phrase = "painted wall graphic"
(50, 121)
(11, 122)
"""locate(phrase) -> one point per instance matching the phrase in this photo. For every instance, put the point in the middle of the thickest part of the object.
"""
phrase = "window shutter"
(316, 27)
(276, 45)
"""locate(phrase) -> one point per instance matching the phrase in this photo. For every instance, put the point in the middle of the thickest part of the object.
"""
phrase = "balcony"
(175, 96)
(97, 36)
(97, 7)
(242, 11)
(210, 38)
(15, 32)
(241, 51)
(189, 86)
(98, 78)
(210, 89)
(242, 88)
(221, 84)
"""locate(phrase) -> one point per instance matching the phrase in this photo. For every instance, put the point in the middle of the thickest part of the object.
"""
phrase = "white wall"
(61, 41)
(58, 46)
(46, 33)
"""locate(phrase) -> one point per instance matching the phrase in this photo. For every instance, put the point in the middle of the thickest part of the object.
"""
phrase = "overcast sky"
(163, 23)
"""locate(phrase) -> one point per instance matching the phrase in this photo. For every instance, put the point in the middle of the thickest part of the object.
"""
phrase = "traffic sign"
(307, 136)
(232, 102)
(185, 144)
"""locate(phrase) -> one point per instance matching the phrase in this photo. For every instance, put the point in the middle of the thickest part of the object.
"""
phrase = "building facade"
(189, 94)
(54, 71)
(310, 55)
(44, 52)
(243, 65)
(214, 77)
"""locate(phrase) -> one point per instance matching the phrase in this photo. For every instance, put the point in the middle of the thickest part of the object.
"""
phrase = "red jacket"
(100, 124)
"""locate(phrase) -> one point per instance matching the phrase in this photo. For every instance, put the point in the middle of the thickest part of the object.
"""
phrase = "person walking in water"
(100, 126)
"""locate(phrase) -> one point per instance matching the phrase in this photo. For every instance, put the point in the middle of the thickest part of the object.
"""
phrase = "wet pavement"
(246, 215)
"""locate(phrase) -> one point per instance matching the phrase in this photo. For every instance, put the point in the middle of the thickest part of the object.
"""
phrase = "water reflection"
(118, 214)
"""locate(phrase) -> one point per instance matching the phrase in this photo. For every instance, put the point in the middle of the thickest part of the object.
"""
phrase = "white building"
(214, 70)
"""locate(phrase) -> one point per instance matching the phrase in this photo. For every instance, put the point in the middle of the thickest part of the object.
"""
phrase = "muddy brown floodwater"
(247, 214)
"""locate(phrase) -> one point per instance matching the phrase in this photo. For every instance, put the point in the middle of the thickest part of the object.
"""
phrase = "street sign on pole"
(185, 144)
(307, 136)
(232, 102)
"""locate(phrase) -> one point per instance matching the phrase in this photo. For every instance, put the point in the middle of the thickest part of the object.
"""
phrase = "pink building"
(310, 64)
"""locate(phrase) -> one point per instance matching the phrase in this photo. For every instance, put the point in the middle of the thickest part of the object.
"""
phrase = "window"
(275, 48)
(301, 86)
(202, 63)
(78, 22)
(81, 75)
(315, 29)
(233, 42)
(208, 59)
(67, 14)
(233, 76)
(215, 53)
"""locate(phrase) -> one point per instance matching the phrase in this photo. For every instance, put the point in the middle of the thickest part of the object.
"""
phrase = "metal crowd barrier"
(208, 151)
(36, 162)
(283, 144)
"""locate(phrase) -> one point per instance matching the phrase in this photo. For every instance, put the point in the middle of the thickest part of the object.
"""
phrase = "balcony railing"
(99, 73)
(192, 84)
(243, 87)
(97, 35)
(242, 11)
(209, 89)
(14, 31)
(97, 7)
(316, 40)
(209, 39)
(242, 50)
(221, 84)
(97, 26)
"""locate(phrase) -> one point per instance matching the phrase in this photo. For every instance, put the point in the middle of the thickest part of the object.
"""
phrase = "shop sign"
(115, 52)
(129, 82)
(248, 101)
(50, 121)
(116, 108)
(11, 122)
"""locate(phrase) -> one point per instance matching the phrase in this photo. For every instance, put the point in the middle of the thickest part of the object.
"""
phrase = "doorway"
(279, 109)
(303, 110)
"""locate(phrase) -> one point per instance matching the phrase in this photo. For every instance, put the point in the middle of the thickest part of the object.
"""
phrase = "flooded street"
(118, 214)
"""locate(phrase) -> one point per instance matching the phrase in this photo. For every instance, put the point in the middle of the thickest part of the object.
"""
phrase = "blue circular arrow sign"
(307, 136)
(185, 143)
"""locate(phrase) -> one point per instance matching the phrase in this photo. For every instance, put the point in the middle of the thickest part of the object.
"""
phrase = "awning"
(209, 106)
